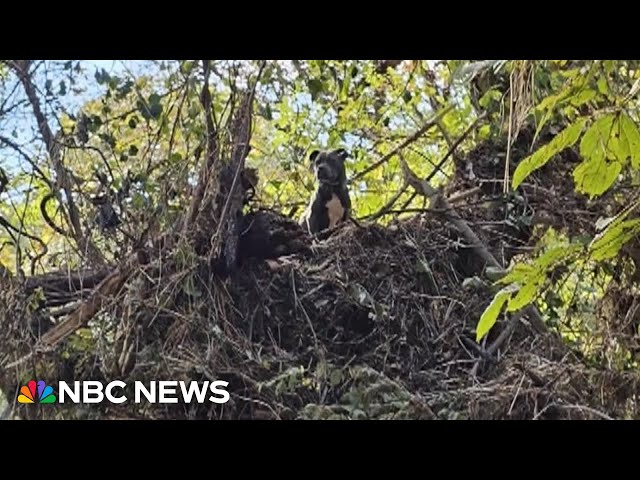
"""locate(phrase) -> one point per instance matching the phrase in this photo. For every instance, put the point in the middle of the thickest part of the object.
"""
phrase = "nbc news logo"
(44, 391)
(91, 391)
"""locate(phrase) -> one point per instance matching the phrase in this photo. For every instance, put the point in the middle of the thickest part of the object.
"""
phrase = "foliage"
(136, 131)
(596, 102)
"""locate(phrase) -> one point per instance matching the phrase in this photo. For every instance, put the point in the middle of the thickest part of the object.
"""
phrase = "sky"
(19, 127)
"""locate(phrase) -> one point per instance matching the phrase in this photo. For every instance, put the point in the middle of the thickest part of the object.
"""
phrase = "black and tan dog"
(330, 204)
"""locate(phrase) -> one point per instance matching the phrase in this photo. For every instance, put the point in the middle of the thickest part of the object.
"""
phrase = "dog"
(330, 204)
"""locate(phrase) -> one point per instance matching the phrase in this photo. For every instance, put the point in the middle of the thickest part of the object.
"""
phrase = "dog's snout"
(323, 170)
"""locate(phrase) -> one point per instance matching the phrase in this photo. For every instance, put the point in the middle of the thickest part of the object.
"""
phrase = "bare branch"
(403, 145)
(21, 67)
(211, 152)
(11, 144)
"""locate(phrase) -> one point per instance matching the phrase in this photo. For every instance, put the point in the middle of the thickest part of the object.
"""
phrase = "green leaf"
(550, 102)
(155, 107)
(526, 294)
(484, 132)
(125, 89)
(609, 66)
(624, 140)
(564, 139)
(276, 184)
(594, 140)
(315, 87)
(492, 95)
(266, 112)
(629, 130)
(599, 170)
(152, 109)
(186, 66)
(490, 314)
(102, 76)
(519, 273)
(607, 244)
(154, 99)
(344, 91)
(556, 254)
(335, 378)
(582, 97)
(108, 139)
(529, 279)
(603, 87)
(594, 177)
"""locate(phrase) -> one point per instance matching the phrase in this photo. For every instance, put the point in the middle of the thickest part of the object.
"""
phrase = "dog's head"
(329, 167)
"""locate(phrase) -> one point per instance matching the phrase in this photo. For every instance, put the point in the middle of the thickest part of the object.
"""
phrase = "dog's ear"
(341, 153)
(313, 155)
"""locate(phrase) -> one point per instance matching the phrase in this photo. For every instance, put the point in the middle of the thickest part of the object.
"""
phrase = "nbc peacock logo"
(44, 393)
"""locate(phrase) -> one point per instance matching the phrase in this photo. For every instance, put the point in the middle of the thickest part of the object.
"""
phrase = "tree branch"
(21, 67)
(11, 144)
(211, 151)
(438, 201)
(403, 145)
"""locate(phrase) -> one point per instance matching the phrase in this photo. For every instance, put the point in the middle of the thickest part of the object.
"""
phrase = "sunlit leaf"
(519, 273)
(610, 241)
(582, 97)
(490, 314)
(594, 177)
(564, 139)
(603, 87)
(595, 139)
(526, 294)
(629, 131)
(556, 254)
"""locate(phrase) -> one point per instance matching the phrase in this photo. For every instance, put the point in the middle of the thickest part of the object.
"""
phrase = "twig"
(388, 206)
(299, 303)
(407, 142)
(457, 143)
(450, 152)
(515, 397)
(462, 195)
(593, 411)
(511, 326)
(11, 144)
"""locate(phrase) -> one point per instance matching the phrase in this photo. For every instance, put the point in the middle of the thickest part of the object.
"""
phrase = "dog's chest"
(335, 210)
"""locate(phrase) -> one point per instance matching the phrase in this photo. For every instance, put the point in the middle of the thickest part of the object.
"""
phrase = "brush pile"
(366, 322)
